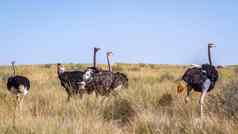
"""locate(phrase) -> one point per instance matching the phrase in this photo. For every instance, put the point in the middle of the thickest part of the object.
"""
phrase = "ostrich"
(119, 79)
(71, 81)
(18, 85)
(201, 79)
(103, 82)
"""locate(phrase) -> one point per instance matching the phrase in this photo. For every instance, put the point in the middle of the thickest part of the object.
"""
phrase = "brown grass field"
(149, 106)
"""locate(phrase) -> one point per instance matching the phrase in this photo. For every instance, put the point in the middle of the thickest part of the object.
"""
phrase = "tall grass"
(149, 106)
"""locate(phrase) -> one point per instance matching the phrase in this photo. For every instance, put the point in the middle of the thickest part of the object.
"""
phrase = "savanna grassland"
(149, 106)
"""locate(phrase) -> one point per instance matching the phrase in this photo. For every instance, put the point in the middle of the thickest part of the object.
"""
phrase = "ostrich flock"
(93, 79)
(199, 78)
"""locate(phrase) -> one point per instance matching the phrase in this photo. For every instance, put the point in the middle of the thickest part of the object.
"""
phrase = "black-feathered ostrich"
(18, 85)
(201, 79)
(70, 80)
(104, 82)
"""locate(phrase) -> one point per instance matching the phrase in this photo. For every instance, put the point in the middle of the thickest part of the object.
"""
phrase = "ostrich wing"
(16, 81)
(211, 71)
(71, 79)
(72, 76)
(119, 79)
(100, 81)
(195, 77)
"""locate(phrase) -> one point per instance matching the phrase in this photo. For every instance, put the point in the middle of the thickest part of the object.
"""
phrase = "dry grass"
(149, 106)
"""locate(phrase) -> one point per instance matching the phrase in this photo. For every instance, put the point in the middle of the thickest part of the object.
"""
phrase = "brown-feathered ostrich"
(104, 82)
(18, 85)
(71, 81)
(119, 79)
(201, 78)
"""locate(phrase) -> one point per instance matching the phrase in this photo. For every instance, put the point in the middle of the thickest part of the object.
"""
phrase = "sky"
(136, 31)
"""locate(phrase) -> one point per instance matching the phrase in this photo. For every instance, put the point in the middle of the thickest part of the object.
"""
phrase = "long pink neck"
(109, 64)
(14, 69)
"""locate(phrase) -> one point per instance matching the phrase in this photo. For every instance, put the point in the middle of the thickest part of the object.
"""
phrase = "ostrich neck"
(209, 56)
(60, 70)
(94, 58)
(109, 64)
(14, 70)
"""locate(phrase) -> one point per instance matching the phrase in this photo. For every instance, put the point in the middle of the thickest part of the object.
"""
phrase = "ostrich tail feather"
(181, 87)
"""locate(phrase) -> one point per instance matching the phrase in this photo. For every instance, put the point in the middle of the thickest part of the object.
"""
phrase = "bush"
(135, 69)
(167, 76)
(145, 127)
(142, 65)
(152, 66)
(236, 70)
(75, 67)
(47, 66)
(117, 68)
(166, 100)
(4, 78)
(225, 103)
(119, 110)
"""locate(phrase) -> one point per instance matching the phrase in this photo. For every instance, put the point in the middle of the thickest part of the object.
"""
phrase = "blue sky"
(137, 31)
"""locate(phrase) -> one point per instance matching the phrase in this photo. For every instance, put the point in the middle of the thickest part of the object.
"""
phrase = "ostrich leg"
(16, 111)
(206, 86)
(202, 102)
(21, 98)
(69, 97)
(189, 92)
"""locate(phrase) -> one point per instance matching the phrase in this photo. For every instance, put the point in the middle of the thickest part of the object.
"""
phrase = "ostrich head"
(13, 62)
(109, 56)
(95, 50)
(210, 45)
(60, 68)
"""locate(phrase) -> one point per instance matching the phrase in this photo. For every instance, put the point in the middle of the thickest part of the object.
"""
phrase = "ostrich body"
(18, 85)
(201, 79)
(71, 81)
(119, 80)
(99, 82)
(104, 82)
